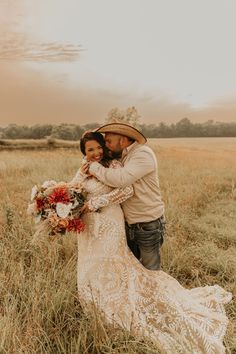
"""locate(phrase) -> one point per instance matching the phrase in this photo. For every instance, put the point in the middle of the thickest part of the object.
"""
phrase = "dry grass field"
(39, 309)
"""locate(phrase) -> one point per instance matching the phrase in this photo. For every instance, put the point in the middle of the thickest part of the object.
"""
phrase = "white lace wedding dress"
(143, 301)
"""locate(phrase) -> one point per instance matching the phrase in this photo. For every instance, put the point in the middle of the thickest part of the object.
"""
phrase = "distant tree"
(132, 117)
(115, 114)
(78, 132)
(90, 126)
(129, 116)
(198, 130)
(14, 131)
(184, 128)
(64, 131)
(164, 130)
(149, 130)
(41, 131)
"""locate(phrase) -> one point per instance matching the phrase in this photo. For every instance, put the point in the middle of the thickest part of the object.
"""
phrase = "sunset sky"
(74, 60)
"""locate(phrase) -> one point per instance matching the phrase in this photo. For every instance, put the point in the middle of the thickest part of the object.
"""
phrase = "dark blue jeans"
(145, 240)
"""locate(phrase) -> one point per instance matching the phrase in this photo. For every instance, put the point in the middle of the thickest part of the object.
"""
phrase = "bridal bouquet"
(58, 205)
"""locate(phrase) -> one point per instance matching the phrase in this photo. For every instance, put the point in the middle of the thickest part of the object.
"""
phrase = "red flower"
(40, 203)
(59, 195)
(76, 225)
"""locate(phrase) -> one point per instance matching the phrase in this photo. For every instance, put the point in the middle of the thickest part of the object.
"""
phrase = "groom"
(144, 211)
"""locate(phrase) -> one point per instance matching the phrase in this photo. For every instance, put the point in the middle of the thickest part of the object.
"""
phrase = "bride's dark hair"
(88, 136)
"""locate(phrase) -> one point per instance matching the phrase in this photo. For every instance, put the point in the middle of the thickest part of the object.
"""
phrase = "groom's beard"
(115, 154)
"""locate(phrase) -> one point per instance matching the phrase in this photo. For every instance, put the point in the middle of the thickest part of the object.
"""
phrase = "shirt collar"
(128, 149)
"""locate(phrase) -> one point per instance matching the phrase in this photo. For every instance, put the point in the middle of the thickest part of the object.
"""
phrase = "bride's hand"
(84, 168)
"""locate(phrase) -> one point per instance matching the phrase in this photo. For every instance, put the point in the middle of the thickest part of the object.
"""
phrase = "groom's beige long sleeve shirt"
(139, 169)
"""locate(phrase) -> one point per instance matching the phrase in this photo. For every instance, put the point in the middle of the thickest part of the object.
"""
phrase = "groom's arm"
(137, 167)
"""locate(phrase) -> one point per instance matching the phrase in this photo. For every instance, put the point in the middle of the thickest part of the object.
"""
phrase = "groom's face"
(113, 143)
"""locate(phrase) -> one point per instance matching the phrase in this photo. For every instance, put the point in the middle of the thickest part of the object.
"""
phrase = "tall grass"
(39, 308)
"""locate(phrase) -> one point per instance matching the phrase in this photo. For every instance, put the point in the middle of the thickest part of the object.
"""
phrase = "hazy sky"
(74, 60)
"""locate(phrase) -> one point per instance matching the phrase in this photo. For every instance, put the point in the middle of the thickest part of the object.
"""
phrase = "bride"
(145, 302)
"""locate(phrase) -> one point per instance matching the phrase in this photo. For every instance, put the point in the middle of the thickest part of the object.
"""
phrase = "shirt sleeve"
(117, 196)
(141, 164)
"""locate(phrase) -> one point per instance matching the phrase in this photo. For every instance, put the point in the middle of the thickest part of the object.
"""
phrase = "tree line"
(41, 131)
(183, 128)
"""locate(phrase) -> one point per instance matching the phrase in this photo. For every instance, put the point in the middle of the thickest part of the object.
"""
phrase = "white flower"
(48, 184)
(63, 209)
(34, 192)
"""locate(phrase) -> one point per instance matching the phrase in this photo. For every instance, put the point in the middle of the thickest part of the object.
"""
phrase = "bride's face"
(93, 151)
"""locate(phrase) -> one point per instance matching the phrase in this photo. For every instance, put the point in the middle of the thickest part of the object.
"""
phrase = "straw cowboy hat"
(121, 128)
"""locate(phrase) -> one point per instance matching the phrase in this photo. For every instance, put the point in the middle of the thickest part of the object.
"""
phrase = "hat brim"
(123, 129)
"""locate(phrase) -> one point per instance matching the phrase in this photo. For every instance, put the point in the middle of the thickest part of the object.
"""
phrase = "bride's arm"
(80, 175)
(116, 196)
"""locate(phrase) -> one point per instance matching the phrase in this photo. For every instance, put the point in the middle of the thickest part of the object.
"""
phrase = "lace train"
(149, 303)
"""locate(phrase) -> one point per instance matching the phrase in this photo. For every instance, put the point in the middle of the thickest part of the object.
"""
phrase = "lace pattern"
(149, 303)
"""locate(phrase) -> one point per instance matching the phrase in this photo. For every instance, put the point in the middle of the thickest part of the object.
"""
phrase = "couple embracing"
(119, 251)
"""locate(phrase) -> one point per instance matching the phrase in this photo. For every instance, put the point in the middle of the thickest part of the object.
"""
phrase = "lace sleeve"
(80, 177)
(116, 196)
